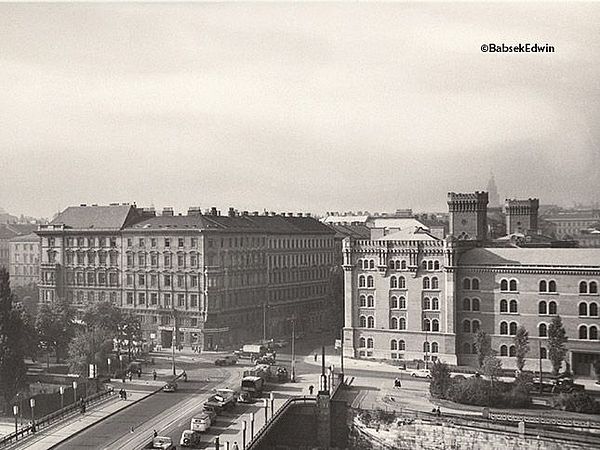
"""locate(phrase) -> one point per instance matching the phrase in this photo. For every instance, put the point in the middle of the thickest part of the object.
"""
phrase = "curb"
(87, 427)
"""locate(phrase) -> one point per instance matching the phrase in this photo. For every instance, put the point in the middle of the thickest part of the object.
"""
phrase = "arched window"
(583, 332)
(426, 303)
(475, 304)
(475, 326)
(401, 345)
(361, 281)
(583, 309)
(429, 265)
(426, 325)
(466, 304)
(435, 325)
(403, 264)
(475, 284)
(393, 283)
(393, 344)
(426, 283)
(513, 328)
(467, 284)
(424, 265)
(402, 323)
(583, 287)
(435, 304)
(513, 306)
(594, 333)
(593, 287)
(435, 347)
(503, 350)
(552, 308)
(543, 353)
(370, 301)
(370, 281)
(594, 309)
(466, 348)
(401, 282)
(372, 264)
(503, 306)
(434, 283)
(552, 286)
(370, 322)
(513, 285)
(543, 286)
(402, 303)
(392, 264)
(363, 322)
(369, 342)
(542, 330)
(426, 347)
(436, 265)
(399, 265)
(466, 326)
(394, 323)
(363, 301)
(362, 343)
(512, 350)
(542, 308)
(503, 328)
(394, 302)
(504, 285)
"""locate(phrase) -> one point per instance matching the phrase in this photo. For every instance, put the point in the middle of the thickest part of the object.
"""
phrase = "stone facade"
(24, 254)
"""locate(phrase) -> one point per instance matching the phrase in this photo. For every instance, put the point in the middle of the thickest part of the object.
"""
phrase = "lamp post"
(243, 434)
(16, 413)
(32, 406)
(251, 425)
(62, 396)
(74, 391)
(293, 375)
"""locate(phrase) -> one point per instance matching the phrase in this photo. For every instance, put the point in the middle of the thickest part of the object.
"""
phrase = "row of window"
(167, 280)
(588, 287)
(469, 284)
(588, 309)
(80, 258)
(588, 332)
(368, 301)
(87, 242)
(471, 304)
(141, 242)
(471, 326)
(400, 345)
(142, 260)
(153, 300)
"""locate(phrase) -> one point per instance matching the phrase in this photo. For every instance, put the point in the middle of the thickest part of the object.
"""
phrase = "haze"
(295, 107)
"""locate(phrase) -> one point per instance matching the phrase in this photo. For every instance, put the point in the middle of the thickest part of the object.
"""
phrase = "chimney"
(255, 213)
(299, 214)
(213, 211)
(167, 211)
(244, 213)
(231, 212)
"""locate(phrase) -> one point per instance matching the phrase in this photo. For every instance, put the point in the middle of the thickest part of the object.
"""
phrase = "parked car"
(420, 373)
(190, 438)
(170, 387)
(212, 411)
(267, 359)
(226, 361)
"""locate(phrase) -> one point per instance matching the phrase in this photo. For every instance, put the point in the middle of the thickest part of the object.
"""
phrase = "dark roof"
(177, 222)
(7, 233)
(357, 231)
(31, 237)
(99, 217)
(11, 230)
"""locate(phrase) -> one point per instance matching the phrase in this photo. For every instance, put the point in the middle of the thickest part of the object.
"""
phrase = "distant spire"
(494, 197)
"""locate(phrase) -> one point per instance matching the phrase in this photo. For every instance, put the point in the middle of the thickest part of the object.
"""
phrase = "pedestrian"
(139, 372)
(123, 377)
(121, 394)
(439, 412)
(316, 356)
(124, 394)
(311, 388)
(130, 376)
(32, 424)
(235, 446)
(154, 375)
(82, 405)
(155, 433)
(131, 430)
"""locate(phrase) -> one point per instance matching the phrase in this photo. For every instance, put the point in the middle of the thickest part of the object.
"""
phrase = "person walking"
(130, 376)
(154, 375)
(235, 446)
(155, 433)
(311, 388)
(316, 356)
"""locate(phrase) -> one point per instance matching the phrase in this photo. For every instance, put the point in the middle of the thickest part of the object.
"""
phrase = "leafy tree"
(87, 348)
(492, 367)
(521, 341)
(103, 315)
(12, 365)
(557, 338)
(440, 379)
(55, 325)
(129, 331)
(483, 345)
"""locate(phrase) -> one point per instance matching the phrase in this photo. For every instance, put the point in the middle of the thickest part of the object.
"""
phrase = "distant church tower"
(493, 196)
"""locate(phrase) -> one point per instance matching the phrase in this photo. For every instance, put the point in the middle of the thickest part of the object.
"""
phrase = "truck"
(253, 385)
(222, 399)
(201, 422)
(251, 351)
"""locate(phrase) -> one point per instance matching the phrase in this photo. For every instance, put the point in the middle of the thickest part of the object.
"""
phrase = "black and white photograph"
(299, 225)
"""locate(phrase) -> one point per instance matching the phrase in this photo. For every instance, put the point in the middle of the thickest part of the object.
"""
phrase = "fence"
(47, 420)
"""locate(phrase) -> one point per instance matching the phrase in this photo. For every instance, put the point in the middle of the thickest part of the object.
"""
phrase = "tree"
(87, 348)
(12, 365)
(55, 325)
(103, 315)
(129, 332)
(521, 341)
(492, 367)
(557, 338)
(484, 346)
(440, 379)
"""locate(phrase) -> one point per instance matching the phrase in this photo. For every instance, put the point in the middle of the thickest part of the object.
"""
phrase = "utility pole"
(293, 376)
(174, 339)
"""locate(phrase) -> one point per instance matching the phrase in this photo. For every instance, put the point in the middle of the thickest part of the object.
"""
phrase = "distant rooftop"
(532, 256)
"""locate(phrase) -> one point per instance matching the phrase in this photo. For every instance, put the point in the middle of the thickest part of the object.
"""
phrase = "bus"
(253, 385)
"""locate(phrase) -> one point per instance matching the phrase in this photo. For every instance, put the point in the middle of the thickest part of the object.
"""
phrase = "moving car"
(170, 387)
(268, 359)
(226, 361)
(223, 399)
(162, 443)
(211, 411)
(201, 422)
(190, 438)
(419, 373)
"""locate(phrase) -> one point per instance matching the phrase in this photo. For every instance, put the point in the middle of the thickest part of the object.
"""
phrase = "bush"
(440, 380)
(385, 417)
(577, 402)
(517, 397)
(479, 392)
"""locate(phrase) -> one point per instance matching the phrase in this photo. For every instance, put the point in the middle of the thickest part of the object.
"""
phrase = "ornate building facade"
(413, 296)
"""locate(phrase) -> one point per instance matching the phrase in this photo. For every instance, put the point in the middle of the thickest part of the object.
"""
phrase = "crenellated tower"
(521, 215)
(468, 215)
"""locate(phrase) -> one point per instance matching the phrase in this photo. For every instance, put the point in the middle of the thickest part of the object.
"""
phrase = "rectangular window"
(167, 242)
(194, 260)
(142, 260)
(180, 242)
(141, 242)
(181, 260)
(113, 259)
(91, 278)
(167, 299)
(129, 242)
(101, 278)
(167, 280)
(153, 242)
(129, 260)
(69, 258)
(180, 280)
(194, 242)
(154, 260)
(130, 298)
(194, 322)
(142, 298)
(129, 279)
(167, 260)
(154, 299)
(154, 319)
(102, 256)
(112, 278)
(181, 300)
(153, 280)
(194, 301)
(193, 281)
(113, 242)
(142, 279)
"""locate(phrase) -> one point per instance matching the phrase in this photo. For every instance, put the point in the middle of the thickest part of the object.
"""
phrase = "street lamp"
(16, 413)
(32, 406)
(74, 391)
(62, 396)
(293, 374)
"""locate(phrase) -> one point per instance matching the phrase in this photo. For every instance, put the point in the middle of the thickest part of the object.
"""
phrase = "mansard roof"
(109, 217)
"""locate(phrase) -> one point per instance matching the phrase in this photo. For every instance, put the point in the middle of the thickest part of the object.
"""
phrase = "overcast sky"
(295, 107)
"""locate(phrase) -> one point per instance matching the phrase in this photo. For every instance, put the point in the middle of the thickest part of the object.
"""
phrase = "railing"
(260, 435)
(544, 419)
(49, 419)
